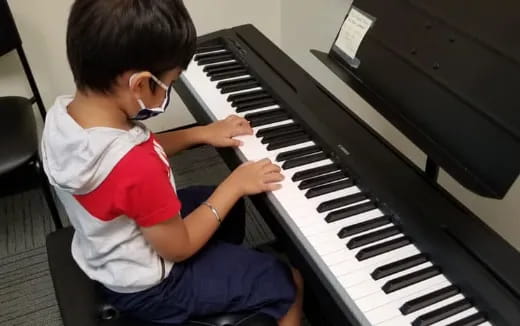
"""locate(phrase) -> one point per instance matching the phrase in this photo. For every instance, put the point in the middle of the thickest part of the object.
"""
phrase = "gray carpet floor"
(26, 291)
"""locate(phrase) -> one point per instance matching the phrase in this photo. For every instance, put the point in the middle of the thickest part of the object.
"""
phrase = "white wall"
(309, 24)
(42, 25)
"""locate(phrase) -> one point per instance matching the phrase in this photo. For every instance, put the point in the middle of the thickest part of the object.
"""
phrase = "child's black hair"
(106, 38)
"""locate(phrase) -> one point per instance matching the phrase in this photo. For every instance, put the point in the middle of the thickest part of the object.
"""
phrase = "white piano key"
(391, 309)
(400, 320)
(380, 298)
(212, 52)
(379, 260)
(290, 173)
(338, 269)
(307, 227)
(225, 96)
(339, 224)
(333, 195)
(276, 152)
(218, 63)
(276, 124)
(369, 265)
(361, 271)
(335, 259)
(267, 108)
(457, 317)
(368, 287)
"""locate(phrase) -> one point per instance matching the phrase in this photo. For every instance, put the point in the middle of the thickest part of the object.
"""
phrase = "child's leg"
(294, 316)
(233, 228)
(229, 278)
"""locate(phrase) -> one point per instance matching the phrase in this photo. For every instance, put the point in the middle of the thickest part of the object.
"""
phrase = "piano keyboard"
(379, 272)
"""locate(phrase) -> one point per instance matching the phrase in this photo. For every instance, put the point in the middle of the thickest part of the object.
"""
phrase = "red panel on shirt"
(139, 187)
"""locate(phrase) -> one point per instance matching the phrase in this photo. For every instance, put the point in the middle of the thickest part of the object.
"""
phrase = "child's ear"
(139, 83)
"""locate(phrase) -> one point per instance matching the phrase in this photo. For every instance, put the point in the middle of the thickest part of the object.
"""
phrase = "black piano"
(378, 241)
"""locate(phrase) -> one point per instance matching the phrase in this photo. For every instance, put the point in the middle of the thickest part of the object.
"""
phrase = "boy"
(154, 260)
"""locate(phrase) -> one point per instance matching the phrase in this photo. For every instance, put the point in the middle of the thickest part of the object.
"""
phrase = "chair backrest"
(10, 40)
(9, 37)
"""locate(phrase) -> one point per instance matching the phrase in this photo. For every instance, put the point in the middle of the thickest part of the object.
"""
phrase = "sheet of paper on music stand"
(353, 31)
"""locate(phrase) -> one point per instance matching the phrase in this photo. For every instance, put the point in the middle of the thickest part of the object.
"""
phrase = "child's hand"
(221, 133)
(255, 177)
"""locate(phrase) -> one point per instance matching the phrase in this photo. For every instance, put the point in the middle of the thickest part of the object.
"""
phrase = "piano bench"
(81, 305)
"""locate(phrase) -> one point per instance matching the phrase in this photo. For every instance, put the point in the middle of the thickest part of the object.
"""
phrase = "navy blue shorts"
(222, 277)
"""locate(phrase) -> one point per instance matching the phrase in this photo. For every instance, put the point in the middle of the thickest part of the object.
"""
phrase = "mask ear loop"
(130, 80)
(160, 83)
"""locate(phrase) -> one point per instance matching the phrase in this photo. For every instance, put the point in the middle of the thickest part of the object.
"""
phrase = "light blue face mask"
(147, 113)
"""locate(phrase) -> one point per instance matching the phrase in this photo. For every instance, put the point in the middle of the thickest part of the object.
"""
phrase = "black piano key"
(206, 59)
(382, 248)
(273, 136)
(264, 113)
(372, 237)
(222, 66)
(250, 83)
(398, 266)
(410, 279)
(246, 96)
(273, 131)
(365, 226)
(229, 74)
(263, 118)
(203, 56)
(253, 105)
(428, 299)
(350, 211)
(289, 141)
(260, 95)
(289, 155)
(321, 180)
(225, 67)
(234, 82)
(304, 160)
(217, 74)
(314, 172)
(328, 188)
(442, 313)
(209, 48)
(473, 320)
(341, 201)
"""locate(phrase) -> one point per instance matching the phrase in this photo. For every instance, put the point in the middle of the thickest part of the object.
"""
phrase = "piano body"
(378, 241)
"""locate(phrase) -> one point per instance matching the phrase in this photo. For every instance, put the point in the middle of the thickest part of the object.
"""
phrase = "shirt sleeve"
(138, 187)
(147, 195)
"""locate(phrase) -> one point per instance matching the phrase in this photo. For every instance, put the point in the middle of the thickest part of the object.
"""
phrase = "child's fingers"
(264, 162)
(271, 168)
(273, 177)
(272, 186)
(242, 130)
(234, 142)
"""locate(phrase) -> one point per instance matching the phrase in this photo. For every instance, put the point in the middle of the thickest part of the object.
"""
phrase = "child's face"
(140, 89)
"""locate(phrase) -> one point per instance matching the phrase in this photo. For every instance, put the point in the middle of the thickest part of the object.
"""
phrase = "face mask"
(146, 113)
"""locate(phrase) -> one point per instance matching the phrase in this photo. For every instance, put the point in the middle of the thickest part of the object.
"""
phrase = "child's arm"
(218, 134)
(178, 239)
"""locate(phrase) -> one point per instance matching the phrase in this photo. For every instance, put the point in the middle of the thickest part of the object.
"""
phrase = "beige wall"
(309, 24)
(42, 25)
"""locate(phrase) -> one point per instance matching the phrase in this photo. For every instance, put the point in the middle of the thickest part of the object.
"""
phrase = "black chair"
(20, 165)
(81, 304)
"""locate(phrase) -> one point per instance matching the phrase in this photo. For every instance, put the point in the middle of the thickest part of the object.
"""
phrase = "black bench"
(81, 305)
